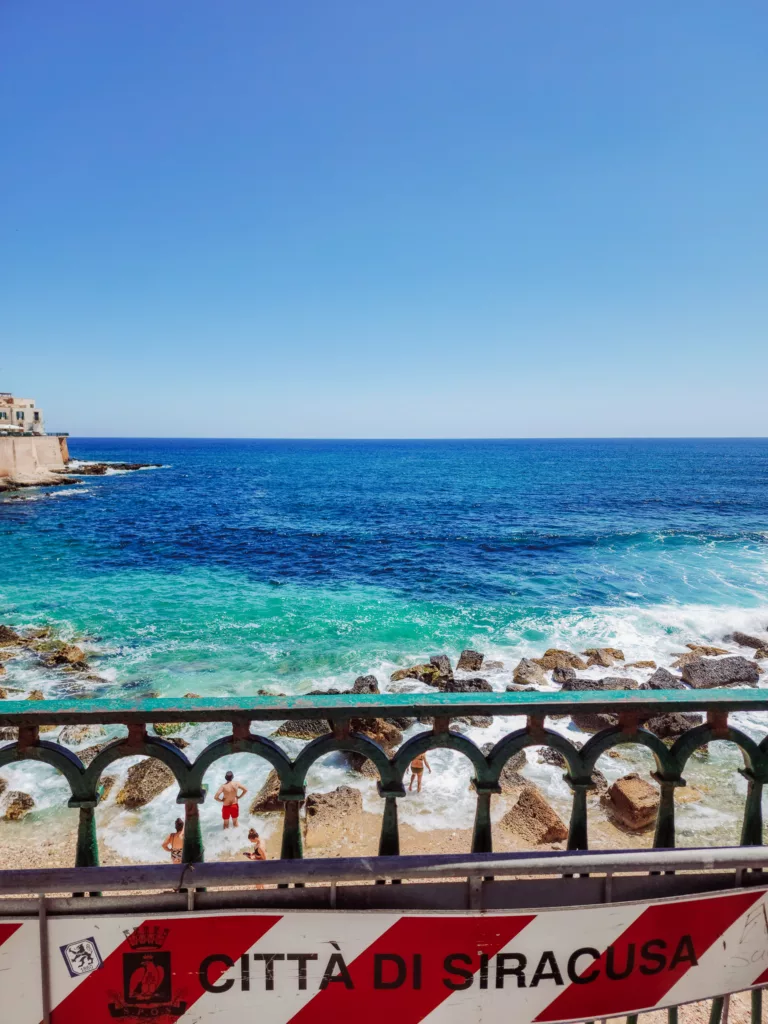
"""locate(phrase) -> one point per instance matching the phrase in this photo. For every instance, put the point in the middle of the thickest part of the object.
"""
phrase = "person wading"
(228, 795)
(417, 771)
(174, 844)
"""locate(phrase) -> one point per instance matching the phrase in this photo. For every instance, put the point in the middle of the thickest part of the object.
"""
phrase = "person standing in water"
(417, 771)
(228, 795)
(174, 844)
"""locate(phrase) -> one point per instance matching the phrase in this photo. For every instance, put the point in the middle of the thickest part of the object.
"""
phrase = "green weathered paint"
(370, 705)
(338, 710)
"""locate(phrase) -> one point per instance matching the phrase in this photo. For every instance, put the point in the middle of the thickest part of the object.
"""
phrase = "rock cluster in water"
(631, 802)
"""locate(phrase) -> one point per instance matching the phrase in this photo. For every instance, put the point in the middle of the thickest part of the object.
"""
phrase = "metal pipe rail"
(370, 869)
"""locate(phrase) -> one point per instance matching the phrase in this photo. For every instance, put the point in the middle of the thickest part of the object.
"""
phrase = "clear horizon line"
(585, 437)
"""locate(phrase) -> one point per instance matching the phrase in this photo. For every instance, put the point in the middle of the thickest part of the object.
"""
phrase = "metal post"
(577, 833)
(752, 827)
(664, 838)
(672, 1015)
(482, 835)
(192, 850)
(716, 1015)
(87, 855)
(292, 847)
(757, 1006)
(45, 975)
(726, 1008)
(87, 841)
(389, 841)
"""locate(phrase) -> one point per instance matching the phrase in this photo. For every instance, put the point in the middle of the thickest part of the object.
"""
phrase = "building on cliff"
(19, 415)
(28, 456)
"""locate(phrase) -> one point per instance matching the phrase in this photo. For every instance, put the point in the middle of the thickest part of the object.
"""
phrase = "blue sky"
(343, 219)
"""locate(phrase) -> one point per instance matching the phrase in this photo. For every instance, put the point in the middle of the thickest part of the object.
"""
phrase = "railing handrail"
(216, 874)
(365, 705)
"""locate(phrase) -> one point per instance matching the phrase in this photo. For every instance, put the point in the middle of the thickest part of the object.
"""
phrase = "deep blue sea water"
(244, 564)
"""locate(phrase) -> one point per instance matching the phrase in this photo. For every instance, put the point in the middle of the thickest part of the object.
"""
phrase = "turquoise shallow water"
(247, 564)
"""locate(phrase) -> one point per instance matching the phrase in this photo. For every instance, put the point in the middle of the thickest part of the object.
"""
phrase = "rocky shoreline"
(49, 478)
(623, 807)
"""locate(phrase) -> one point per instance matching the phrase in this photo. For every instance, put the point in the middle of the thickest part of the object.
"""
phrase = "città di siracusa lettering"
(270, 972)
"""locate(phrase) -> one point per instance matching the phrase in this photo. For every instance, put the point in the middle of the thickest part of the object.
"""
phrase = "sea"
(241, 565)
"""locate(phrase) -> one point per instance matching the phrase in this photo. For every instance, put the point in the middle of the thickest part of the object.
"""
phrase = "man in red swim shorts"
(228, 795)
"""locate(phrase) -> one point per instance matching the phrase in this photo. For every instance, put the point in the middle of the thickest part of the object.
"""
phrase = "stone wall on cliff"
(23, 459)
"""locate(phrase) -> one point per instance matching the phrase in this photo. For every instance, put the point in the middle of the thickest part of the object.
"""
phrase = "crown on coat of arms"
(147, 936)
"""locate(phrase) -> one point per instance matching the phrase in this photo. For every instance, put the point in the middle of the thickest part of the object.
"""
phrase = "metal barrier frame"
(346, 715)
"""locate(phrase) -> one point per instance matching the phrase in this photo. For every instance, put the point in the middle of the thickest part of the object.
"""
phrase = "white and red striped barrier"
(563, 965)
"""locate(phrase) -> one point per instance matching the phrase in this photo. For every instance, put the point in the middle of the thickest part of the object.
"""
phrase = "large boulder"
(683, 658)
(672, 724)
(594, 721)
(339, 803)
(18, 804)
(563, 675)
(704, 673)
(641, 664)
(745, 640)
(424, 673)
(467, 686)
(366, 684)
(303, 728)
(529, 673)
(632, 802)
(761, 654)
(555, 658)
(663, 679)
(9, 637)
(67, 655)
(607, 683)
(265, 801)
(87, 755)
(465, 721)
(379, 730)
(144, 782)
(166, 729)
(469, 661)
(549, 755)
(443, 665)
(704, 651)
(605, 657)
(533, 820)
(74, 735)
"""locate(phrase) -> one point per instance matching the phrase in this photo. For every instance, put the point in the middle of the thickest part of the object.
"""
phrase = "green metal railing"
(341, 712)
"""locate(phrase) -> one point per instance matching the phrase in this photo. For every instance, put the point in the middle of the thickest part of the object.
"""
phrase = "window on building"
(37, 417)
(19, 415)
(3, 415)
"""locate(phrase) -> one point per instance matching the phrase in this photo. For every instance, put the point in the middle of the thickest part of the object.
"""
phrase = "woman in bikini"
(174, 844)
(258, 851)
(417, 771)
